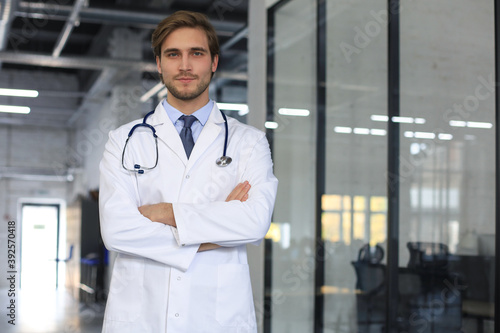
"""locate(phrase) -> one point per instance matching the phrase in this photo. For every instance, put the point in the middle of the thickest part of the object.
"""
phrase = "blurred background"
(382, 120)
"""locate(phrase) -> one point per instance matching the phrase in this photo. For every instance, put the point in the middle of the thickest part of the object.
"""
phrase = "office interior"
(382, 118)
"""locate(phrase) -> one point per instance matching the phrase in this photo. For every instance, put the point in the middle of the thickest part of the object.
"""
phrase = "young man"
(181, 225)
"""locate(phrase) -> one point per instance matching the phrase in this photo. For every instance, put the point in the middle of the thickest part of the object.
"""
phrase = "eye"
(172, 54)
(198, 53)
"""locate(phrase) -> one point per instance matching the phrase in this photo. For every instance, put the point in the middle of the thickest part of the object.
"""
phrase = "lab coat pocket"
(126, 291)
(234, 296)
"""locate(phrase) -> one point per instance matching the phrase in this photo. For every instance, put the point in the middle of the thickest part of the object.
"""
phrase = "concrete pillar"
(257, 50)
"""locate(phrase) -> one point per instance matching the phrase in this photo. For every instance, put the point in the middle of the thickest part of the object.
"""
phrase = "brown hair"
(183, 19)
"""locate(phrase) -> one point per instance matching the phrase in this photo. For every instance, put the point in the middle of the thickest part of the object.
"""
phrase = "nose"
(185, 64)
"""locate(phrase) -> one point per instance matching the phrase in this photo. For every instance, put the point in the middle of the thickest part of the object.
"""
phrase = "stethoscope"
(222, 161)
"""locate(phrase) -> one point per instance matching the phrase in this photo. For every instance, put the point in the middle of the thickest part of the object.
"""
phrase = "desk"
(425, 303)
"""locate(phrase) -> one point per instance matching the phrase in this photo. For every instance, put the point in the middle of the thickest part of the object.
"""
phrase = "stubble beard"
(186, 95)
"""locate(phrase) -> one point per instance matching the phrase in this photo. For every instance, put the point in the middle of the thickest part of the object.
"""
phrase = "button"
(178, 278)
(187, 176)
(177, 315)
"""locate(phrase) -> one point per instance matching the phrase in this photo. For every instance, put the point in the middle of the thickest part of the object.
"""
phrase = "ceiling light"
(294, 112)
(271, 124)
(458, 123)
(15, 109)
(477, 124)
(341, 129)
(363, 131)
(150, 93)
(409, 134)
(241, 108)
(445, 136)
(375, 131)
(18, 92)
(406, 120)
(376, 117)
(424, 135)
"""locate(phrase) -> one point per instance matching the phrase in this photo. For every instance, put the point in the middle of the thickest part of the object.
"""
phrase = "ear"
(215, 63)
(158, 64)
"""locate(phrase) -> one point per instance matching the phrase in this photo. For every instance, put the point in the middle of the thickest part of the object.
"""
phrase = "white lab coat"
(160, 283)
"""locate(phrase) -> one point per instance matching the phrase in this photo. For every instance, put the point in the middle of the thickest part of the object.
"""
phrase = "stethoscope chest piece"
(223, 161)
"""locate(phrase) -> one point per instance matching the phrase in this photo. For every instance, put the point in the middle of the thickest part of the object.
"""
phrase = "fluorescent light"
(15, 109)
(471, 124)
(398, 119)
(409, 134)
(376, 117)
(271, 124)
(445, 136)
(18, 92)
(458, 123)
(406, 120)
(241, 108)
(152, 91)
(340, 129)
(294, 112)
(477, 124)
(363, 131)
(424, 135)
(380, 132)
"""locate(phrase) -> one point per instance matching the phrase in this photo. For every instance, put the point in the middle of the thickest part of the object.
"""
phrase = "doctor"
(181, 228)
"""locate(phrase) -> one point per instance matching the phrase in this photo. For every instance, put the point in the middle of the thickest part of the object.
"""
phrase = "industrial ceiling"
(71, 38)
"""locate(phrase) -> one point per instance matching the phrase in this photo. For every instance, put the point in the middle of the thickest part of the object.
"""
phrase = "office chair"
(370, 286)
(428, 255)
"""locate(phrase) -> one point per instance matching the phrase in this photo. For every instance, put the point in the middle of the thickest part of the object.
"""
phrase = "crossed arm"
(163, 212)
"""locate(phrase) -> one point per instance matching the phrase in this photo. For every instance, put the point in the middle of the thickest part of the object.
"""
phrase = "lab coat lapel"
(208, 134)
(167, 133)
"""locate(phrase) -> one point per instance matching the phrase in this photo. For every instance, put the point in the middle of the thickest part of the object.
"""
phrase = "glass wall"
(355, 200)
(447, 165)
(444, 272)
(294, 143)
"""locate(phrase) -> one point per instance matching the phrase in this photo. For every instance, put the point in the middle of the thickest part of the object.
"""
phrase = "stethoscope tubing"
(221, 161)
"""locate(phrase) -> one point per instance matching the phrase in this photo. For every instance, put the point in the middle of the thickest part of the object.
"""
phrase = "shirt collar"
(201, 114)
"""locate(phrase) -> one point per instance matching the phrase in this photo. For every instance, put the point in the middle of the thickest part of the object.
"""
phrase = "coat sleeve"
(233, 223)
(124, 229)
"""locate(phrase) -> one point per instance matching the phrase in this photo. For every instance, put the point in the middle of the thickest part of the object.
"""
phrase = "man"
(181, 228)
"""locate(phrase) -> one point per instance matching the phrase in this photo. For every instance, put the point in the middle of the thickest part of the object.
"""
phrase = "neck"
(190, 106)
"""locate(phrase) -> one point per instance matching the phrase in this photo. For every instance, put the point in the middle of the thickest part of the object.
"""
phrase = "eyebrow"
(196, 48)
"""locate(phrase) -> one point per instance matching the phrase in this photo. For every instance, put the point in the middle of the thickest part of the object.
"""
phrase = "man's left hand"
(161, 212)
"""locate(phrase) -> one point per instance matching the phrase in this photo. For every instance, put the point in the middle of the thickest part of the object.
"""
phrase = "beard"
(186, 95)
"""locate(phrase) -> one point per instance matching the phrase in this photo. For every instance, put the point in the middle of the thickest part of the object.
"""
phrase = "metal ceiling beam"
(68, 27)
(112, 16)
(7, 9)
(243, 33)
(36, 122)
(91, 63)
(35, 174)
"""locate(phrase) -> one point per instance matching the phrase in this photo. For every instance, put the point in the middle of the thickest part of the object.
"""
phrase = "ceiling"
(69, 40)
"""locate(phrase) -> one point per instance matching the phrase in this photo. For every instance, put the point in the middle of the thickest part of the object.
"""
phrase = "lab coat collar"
(168, 134)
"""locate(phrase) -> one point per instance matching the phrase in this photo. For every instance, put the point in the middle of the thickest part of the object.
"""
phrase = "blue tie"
(186, 133)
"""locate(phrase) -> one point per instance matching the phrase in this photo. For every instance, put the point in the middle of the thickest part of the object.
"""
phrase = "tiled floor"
(49, 311)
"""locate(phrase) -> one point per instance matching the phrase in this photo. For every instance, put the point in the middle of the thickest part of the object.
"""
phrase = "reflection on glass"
(294, 142)
(447, 165)
(356, 155)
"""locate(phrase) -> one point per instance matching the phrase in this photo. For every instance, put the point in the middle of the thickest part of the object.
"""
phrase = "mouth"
(185, 79)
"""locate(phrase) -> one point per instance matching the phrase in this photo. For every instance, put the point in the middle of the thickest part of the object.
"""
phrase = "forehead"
(185, 38)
